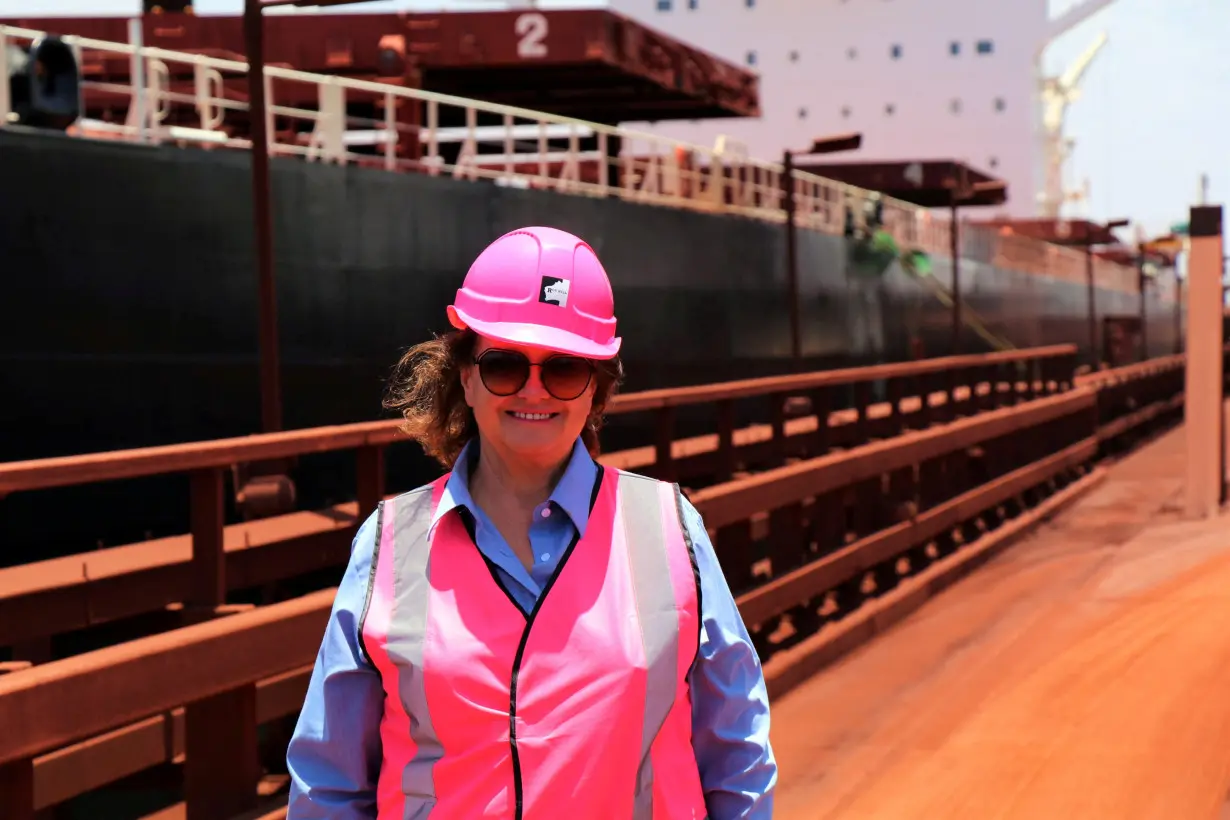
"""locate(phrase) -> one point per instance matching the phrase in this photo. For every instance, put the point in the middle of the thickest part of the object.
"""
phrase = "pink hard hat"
(542, 287)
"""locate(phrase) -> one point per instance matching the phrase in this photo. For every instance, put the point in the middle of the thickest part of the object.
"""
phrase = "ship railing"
(158, 96)
(1068, 263)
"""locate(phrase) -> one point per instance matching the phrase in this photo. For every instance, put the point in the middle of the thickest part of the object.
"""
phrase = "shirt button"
(545, 556)
(546, 512)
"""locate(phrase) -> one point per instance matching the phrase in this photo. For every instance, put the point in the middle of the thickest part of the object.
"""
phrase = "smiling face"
(529, 424)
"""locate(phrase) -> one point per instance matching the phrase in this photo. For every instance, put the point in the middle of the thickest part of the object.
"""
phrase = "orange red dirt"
(1083, 674)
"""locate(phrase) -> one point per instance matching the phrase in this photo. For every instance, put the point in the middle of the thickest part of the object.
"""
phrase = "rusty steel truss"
(591, 64)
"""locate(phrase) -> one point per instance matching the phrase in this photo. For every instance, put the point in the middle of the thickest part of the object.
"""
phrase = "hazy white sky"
(1155, 112)
(1154, 115)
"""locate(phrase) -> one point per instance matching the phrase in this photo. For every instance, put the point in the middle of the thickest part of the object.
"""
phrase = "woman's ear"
(468, 374)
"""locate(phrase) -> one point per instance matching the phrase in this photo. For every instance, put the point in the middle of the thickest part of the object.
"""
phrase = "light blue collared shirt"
(335, 754)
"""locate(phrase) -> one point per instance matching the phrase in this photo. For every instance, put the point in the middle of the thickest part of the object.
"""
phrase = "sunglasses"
(505, 372)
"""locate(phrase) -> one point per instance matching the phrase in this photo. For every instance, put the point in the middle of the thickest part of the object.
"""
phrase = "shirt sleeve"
(335, 753)
(730, 702)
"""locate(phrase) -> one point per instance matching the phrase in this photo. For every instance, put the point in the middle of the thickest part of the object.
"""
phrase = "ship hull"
(130, 317)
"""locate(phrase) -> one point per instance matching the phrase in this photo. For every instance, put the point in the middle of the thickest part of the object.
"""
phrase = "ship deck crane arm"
(1071, 78)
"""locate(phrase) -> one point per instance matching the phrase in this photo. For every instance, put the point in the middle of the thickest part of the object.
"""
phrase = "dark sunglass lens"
(566, 377)
(503, 372)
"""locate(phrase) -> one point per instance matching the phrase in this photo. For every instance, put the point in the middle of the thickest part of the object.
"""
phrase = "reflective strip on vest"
(581, 710)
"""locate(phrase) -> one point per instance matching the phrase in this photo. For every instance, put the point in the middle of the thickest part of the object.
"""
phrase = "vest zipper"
(516, 671)
(518, 789)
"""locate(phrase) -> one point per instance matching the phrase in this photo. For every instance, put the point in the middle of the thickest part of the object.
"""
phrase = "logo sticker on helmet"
(553, 291)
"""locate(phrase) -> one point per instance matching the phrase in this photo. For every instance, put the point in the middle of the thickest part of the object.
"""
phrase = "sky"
(1155, 109)
(1153, 116)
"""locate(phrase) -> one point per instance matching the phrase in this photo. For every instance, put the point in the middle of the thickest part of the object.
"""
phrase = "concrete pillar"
(1202, 411)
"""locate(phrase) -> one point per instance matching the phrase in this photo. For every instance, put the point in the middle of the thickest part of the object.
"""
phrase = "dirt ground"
(1085, 673)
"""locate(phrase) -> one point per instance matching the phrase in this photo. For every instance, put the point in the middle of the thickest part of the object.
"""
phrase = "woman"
(531, 635)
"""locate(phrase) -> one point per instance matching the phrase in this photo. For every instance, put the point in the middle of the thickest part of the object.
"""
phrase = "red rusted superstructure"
(1155, 252)
(591, 64)
(929, 183)
(1077, 232)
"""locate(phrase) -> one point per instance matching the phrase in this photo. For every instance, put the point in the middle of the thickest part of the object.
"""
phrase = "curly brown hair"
(426, 389)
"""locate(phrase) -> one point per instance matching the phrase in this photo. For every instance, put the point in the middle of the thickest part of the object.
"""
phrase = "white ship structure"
(919, 79)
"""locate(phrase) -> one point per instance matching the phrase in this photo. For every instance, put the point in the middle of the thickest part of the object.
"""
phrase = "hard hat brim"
(547, 338)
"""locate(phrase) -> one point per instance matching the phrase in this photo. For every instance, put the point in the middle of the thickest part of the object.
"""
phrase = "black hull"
(129, 312)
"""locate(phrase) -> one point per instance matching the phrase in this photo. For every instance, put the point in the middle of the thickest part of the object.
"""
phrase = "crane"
(1057, 93)
(1054, 149)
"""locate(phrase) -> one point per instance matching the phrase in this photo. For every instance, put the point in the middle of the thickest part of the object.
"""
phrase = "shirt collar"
(571, 494)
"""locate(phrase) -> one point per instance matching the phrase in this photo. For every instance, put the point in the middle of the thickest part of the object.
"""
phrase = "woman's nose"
(534, 388)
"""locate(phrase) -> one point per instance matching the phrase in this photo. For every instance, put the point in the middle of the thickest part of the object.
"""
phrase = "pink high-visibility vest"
(581, 711)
